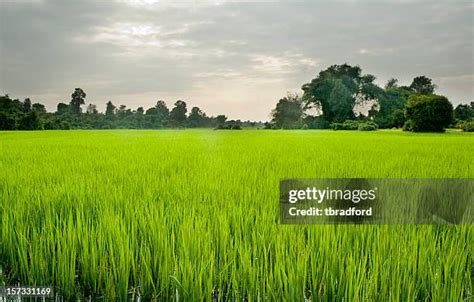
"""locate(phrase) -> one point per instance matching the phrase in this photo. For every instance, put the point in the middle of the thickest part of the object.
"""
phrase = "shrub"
(337, 126)
(355, 125)
(368, 126)
(428, 113)
(350, 125)
(468, 126)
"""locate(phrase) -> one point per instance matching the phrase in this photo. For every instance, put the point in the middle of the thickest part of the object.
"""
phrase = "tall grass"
(194, 215)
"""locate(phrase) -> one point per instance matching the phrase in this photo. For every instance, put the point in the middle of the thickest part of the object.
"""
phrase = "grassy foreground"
(194, 215)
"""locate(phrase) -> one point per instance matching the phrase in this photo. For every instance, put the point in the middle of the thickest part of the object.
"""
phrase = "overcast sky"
(232, 57)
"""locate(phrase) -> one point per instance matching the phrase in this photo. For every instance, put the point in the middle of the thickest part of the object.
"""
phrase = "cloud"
(231, 57)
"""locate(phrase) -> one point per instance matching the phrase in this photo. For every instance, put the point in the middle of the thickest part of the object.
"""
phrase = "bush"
(355, 125)
(468, 126)
(337, 126)
(350, 125)
(428, 113)
(368, 126)
(408, 126)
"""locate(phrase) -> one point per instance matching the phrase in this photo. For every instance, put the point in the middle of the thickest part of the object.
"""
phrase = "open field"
(194, 214)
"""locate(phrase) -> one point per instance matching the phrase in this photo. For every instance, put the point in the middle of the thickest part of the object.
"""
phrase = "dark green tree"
(30, 121)
(288, 113)
(37, 107)
(391, 84)
(423, 85)
(430, 113)
(339, 88)
(109, 110)
(464, 112)
(220, 121)
(157, 116)
(62, 108)
(178, 114)
(77, 99)
(196, 118)
(27, 105)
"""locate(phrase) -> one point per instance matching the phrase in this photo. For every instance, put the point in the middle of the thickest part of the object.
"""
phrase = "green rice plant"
(194, 215)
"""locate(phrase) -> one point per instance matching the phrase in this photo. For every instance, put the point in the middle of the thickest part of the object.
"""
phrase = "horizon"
(226, 57)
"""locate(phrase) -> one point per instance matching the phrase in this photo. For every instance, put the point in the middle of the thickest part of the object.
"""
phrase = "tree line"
(331, 99)
(17, 115)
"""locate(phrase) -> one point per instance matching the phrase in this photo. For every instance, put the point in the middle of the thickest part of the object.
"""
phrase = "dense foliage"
(329, 100)
(332, 98)
(428, 113)
(17, 115)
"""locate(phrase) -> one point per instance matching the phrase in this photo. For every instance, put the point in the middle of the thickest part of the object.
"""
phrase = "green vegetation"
(194, 214)
(428, 113)
(17, 115)
(330, 99)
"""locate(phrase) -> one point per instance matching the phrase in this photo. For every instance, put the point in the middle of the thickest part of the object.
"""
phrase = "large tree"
(77, 99)
(288, 112)
(338, 89)
(157, 116)
(110, 110)
(428, 113)
(388, 112)
(178, 114)
(423, 85)
(196, 118)
(464, 112)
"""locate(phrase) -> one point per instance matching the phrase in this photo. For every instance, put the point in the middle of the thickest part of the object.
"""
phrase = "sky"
(236, 58)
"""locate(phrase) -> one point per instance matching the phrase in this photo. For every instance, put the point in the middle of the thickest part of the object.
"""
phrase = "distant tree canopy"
(17, 115)
(422, 85)
(464, 112)
(328, 101)
(428, 113)
(338, 90)
(178, 114)
(288, 113)
(77, 99)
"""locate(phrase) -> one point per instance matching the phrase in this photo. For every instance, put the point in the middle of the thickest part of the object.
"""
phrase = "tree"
(464, 112)
(77, 99)
(30, 121)
(392, 83)
(62, 108)
(288, 112)
(339, 88)
(428, 113)
(196, 118)
(109, 110)
(178, 114)
(390, 108)
(220, 121)
(341, 102)
(422, 85)
(157, 116)
(37, 107)
(27, 105)
(92, 109)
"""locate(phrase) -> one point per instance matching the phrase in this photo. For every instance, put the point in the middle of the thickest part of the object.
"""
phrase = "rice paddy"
(194, 215)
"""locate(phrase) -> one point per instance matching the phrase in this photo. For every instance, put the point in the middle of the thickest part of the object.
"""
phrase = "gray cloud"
(232, 57)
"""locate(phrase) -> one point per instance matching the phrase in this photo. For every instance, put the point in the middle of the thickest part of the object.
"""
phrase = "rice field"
(194, 215)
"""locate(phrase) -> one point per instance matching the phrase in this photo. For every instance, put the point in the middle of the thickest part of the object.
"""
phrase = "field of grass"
(194, 215)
